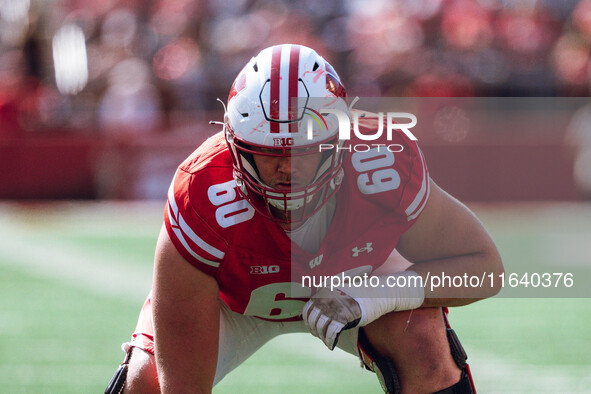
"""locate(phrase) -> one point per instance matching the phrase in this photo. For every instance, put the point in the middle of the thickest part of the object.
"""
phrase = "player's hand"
(328, 313)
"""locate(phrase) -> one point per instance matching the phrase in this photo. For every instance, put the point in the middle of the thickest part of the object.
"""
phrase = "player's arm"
(447, 239)
(186, 322)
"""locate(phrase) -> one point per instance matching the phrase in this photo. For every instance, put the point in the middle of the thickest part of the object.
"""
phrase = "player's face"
(287, 173)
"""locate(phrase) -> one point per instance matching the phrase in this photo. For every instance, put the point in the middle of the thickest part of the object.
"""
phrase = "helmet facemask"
(298, 202)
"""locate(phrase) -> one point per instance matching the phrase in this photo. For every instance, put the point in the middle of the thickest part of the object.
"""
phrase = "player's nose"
(285, 165)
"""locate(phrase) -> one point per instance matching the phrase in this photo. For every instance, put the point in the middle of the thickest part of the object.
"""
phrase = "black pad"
(386, 373)
(382, 366)
(117, 381)
(464, 386)
(457, 350)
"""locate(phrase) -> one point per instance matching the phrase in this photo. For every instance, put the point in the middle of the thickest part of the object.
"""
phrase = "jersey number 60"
(230, 211)
(377, 174)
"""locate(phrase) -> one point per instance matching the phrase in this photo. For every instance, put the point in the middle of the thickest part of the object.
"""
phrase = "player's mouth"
(290, 184)
(285, 186)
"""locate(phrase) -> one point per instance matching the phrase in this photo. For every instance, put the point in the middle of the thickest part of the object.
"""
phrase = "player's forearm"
(173, 383)
(179, 371)
(460, 280)
(186, 339)
(185, 348)
(452, 281)
(327, 313)
(186, 322)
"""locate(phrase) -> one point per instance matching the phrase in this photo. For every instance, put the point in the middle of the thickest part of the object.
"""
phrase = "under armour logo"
(367, 248)
(316, 261)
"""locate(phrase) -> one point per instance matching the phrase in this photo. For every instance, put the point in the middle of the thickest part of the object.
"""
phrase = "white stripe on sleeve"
(414, 209)
(183, 231)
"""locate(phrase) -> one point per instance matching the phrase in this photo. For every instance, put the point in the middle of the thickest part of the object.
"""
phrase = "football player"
(258, 207)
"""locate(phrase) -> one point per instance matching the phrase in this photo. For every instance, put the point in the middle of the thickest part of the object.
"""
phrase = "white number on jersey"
(230, 211)
(271, 301)
(375, 175)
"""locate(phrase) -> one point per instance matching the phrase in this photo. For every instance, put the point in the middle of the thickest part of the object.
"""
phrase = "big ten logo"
(264, 269)
(283, 141)
(231, 209)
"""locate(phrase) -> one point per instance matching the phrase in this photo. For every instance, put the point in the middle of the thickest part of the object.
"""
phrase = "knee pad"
(388, 378)
(463, 386)
(466, 383)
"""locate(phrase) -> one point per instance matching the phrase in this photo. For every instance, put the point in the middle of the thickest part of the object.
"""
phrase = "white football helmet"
(275, 104)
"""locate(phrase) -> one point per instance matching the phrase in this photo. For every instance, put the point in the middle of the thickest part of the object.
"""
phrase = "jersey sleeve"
(391, 172)
(191, 235)
(415, 192)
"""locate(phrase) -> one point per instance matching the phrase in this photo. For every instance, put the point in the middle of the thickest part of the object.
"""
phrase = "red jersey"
(257, 266)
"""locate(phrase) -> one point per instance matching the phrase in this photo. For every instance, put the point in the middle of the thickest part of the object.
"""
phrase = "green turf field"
(73, 277)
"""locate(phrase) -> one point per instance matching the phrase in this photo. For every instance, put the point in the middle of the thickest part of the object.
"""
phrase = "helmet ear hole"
(316, 65)
(255, 67)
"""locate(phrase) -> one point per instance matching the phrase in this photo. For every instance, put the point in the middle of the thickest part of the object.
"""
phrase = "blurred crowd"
(139, 66)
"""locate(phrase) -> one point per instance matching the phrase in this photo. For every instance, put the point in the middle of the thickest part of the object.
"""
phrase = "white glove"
(328, 313)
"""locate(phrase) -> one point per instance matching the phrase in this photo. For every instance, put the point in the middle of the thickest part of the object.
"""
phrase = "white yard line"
(99, 273)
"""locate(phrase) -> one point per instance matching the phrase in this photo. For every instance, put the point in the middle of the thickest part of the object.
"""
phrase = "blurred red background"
(104, 99)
